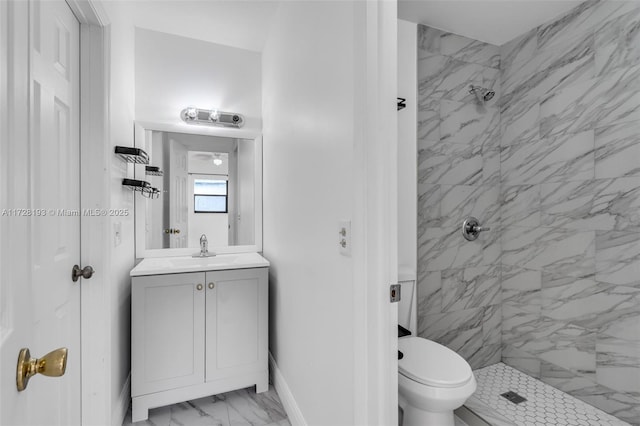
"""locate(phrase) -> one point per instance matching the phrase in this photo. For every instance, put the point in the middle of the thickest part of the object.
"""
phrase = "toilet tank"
(408, 305)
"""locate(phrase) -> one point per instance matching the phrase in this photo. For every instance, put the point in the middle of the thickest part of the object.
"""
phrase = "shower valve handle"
(471, 229)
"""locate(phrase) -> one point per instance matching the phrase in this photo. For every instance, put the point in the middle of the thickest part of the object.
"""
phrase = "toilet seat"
(432, 364)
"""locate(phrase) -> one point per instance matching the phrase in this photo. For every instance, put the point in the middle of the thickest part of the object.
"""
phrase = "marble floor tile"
(544, 404)
(242, 407)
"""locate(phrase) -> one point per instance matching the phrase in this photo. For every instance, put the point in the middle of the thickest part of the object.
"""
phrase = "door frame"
(96, 406)
(376, 200)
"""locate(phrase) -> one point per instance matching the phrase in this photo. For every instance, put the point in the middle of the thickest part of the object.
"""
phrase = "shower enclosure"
(538, 139)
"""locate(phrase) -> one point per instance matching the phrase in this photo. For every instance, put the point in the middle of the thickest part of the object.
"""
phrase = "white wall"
(202, 162)
(308, 114)
(120, 258)
(246, 179)
(187, 72)
(407, 150)
(154, 207)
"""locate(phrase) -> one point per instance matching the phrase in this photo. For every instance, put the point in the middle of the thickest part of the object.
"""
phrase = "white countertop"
(176, 265)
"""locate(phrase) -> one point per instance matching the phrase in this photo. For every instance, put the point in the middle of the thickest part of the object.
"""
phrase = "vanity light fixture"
(217, 161)
(191, 113)
(212, 117)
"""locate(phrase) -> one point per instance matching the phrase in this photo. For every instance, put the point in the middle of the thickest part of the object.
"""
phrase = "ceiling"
(237, 23)
(245, 23)
(495, 22)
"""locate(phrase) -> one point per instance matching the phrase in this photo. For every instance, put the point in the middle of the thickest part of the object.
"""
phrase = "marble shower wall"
(570, 196)
(459, 292)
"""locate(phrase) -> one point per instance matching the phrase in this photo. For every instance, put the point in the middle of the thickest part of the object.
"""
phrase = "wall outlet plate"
(344, 237)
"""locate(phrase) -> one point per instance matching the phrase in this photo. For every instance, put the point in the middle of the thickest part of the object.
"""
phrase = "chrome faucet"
(204, 245)
(204, 248)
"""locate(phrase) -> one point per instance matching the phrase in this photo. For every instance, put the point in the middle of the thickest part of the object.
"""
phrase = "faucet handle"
(471, 228)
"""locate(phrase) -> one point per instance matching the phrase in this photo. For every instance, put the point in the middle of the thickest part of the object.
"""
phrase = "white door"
(178, 214)
(40, 243)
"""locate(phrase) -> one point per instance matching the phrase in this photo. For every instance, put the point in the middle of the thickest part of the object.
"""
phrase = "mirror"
(209, 182)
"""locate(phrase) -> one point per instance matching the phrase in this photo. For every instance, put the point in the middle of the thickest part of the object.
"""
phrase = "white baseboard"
(121, 408)
(286, 397)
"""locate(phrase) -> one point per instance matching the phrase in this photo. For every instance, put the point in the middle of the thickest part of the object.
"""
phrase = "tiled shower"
(552, 165)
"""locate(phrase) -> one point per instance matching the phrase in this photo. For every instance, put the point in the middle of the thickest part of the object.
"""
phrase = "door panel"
(41, 304)
(236, 322)
(168, 326)
(178, 176)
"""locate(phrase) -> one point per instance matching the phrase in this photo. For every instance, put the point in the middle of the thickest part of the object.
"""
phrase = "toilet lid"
(432, 364)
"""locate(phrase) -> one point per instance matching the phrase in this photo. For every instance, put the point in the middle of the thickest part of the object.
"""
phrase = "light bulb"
(213, 115)
(217, 161)
(192, 113)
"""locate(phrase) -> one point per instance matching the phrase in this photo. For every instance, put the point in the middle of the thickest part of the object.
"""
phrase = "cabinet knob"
(199, 286)
(211, 285)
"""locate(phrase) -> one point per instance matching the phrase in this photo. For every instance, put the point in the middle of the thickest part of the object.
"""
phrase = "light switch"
(344, 237)
(117, 234)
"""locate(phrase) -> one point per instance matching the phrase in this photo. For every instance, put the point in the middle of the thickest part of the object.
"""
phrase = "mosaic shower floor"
(545, 405)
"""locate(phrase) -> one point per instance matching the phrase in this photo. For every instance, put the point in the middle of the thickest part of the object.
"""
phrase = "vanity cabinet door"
(237, 322)
(168, 331)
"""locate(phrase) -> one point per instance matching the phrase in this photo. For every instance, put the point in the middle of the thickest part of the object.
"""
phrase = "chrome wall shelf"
(132, 155)
(153, 171)
(141, 186)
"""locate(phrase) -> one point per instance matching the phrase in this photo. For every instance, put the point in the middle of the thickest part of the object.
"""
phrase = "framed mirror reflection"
(209, 182)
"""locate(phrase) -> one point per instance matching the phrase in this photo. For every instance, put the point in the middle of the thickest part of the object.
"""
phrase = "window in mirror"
(210, 196)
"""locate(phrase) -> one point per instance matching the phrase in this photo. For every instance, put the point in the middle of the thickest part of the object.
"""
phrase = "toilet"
(433, 380)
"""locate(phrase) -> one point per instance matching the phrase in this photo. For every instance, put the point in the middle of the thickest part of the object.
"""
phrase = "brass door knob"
(211, 285)
(53, 364)
(199, 287)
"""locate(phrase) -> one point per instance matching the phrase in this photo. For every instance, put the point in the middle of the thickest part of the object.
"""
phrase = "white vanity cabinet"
(197, 334)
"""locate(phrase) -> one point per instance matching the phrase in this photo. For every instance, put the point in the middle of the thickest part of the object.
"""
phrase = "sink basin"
(174, 265)
(228, 259)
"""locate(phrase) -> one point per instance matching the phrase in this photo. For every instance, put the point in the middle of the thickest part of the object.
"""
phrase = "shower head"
(482, 94)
